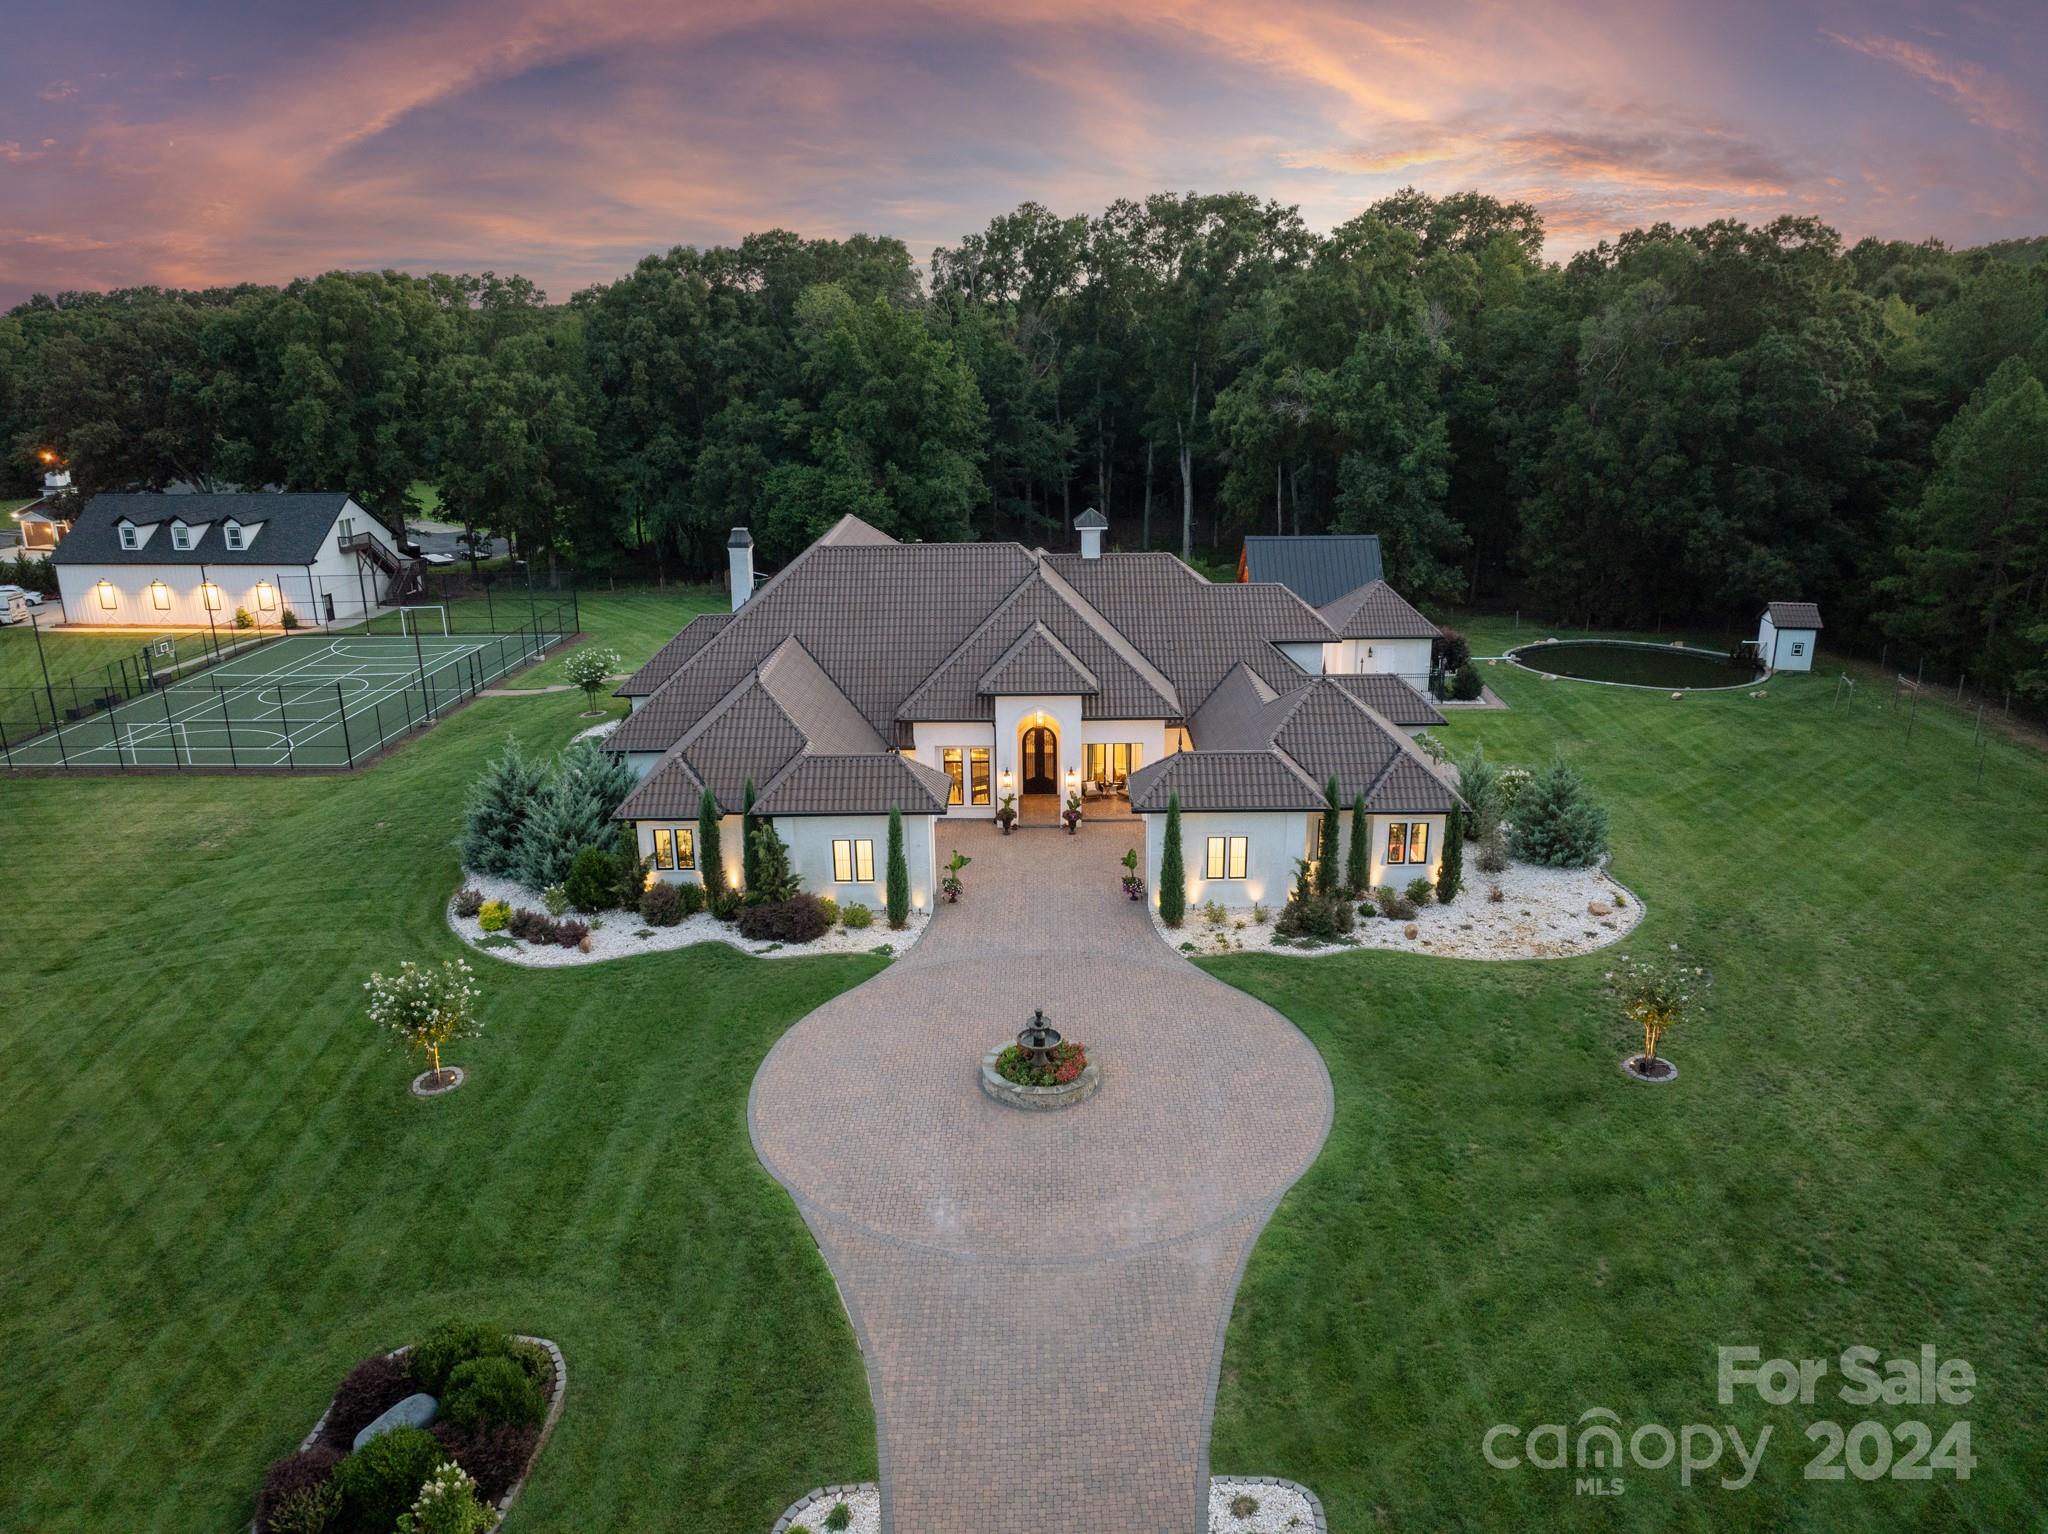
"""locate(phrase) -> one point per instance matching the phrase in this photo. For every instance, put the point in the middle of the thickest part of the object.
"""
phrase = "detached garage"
(1787, 635)
(192, 561)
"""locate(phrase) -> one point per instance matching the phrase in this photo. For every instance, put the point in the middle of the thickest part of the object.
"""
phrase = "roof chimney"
(739, 554)
(1091, 524)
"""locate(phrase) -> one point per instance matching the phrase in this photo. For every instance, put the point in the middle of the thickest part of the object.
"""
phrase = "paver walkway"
(1041, 1297)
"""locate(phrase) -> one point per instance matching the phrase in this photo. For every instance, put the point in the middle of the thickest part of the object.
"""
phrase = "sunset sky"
(188, 143)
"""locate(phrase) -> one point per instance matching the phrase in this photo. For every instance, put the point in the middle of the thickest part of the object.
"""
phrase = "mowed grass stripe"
(1502, 1229)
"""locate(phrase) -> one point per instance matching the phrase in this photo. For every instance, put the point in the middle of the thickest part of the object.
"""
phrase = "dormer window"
(130, 537)
(232, 532)
(181, 536)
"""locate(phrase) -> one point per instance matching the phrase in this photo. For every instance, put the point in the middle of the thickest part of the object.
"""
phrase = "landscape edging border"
(821, 1496)
(1321, 1523)
(547, 1427)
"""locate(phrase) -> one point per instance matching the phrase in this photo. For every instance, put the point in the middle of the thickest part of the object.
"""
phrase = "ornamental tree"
(427, 1009)
(1657, 994)
(498, 807)
(1558, 823)
(1451, 874)
(1326, 855)
(588, 668)
(1358, 867)
(899, 872)
(750, 870)
(710, 859)
(572, 813)
(771, 880)
(1173, 879)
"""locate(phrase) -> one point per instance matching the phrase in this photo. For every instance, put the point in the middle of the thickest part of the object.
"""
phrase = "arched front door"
(1041, 760)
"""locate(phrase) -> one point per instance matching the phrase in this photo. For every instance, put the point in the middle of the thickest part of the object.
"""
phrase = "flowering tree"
(1657, 994)
(588, 668)
(426, 1008)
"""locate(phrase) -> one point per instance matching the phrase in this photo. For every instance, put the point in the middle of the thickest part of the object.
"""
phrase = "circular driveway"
(1066, 1274)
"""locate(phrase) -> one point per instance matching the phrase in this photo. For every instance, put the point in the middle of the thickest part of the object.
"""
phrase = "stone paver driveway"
(1041, 1297)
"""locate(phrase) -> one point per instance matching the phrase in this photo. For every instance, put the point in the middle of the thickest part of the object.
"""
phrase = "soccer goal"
(421, 622)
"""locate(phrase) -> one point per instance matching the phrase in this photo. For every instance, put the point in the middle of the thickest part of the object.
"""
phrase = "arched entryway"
(1041, 760)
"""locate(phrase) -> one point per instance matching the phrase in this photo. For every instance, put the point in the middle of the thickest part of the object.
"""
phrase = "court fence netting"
(278, 702)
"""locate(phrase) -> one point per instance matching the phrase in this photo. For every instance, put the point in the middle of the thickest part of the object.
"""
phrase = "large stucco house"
(940, 679)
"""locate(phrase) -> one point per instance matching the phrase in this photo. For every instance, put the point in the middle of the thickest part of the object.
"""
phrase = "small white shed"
(1787, 635)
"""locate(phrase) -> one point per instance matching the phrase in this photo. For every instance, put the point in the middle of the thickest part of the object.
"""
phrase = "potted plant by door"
(1006, 817)
(950, 886)
(1072, 813)
(1134, 883)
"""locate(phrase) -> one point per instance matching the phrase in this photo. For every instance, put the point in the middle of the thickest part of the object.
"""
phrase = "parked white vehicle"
(11, 609)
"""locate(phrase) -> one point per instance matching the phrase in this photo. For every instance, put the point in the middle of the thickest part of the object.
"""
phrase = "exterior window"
(160, 596)
(233, 535)
(1418, 842)
(853, 862)
(1798, 647)
(675, 847)
(130, 538)
(977, 759)
(1228, 857)
(949, 758)
(1112, 761)
(181, 536)
(1397, 841)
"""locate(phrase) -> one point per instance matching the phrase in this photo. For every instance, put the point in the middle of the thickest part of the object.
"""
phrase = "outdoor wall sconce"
(266, 596)
(160, 596)
(107, 596)
(1006, 780)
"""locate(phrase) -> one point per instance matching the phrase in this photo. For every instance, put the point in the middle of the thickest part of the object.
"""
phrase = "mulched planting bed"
(496, 1448)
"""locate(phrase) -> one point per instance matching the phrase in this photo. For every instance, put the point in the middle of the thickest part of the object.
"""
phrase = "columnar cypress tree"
(710, 862)
(899, 872)
(1358, 868)
(498, 807)
(1452, 874)
(1326, 858)
(1173, 878)
(750, 862)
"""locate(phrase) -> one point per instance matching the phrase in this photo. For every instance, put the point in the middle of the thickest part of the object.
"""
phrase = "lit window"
(1397, 841)
(181, 536)
(674, 848)
(130, 538)
(1113, 761)
(977, 760)
(949, 758)
(1418, 842)
(853, 862)
(160, 596)
(210, 594)
(108, 598)
(1227, 857)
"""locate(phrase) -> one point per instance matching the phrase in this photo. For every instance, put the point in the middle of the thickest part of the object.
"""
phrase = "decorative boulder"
(414, 1411)
(1595, 908)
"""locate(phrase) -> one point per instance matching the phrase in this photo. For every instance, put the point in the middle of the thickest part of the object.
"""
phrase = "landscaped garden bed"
(1543, 913)
(619, 934)
(438, 1436)
(1237, 1505)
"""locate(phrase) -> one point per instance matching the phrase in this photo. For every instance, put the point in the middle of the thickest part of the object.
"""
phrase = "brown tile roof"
(1128, 686)
(1194, 630)
(1376, 611)
(1037, 663)
(693, 636)
(1793, 615)
(856, 785)
(877, 618)
(670, 792)
(1387, 695)
(1223, 780)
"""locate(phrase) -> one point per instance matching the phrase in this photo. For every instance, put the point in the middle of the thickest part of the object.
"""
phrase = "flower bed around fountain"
(1040, 1070)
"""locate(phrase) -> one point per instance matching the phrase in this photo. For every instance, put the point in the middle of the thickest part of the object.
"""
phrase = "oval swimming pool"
(1629, 663)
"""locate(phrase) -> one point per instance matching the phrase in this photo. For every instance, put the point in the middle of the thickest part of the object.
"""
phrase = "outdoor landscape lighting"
(160, 596)
(107, 597)
(266, 595)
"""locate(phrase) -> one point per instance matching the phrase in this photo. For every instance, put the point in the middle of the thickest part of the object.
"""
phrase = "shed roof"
(1793, 615)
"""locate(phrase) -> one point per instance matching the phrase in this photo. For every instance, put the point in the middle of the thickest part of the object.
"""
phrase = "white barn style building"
(1787, 635)
(945, 680)
(148, 560)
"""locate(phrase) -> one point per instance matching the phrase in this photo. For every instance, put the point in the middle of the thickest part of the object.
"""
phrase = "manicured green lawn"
(1503, 1229)
(219, 1195)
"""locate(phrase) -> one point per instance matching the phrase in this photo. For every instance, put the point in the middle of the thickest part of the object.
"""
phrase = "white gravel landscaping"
(623, 933)
(1281, 1509)
(1543, 913)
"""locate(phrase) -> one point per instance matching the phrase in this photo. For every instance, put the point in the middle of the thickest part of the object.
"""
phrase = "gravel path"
(1061, 1276)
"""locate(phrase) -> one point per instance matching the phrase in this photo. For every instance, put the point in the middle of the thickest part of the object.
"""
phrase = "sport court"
(295, 702)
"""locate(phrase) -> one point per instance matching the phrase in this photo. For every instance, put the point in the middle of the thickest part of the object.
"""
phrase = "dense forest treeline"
(1675, 426)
